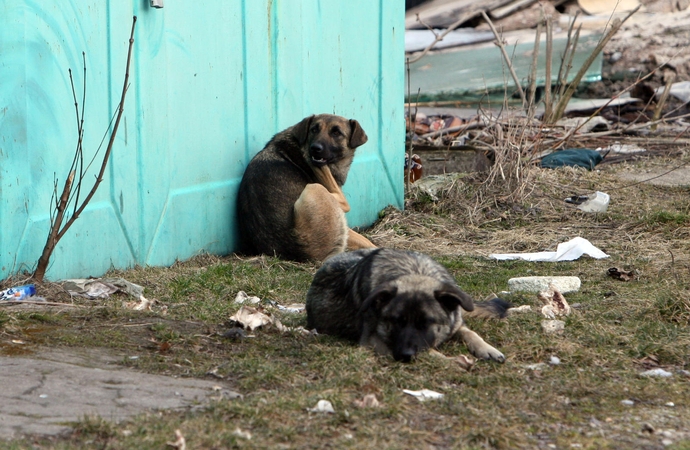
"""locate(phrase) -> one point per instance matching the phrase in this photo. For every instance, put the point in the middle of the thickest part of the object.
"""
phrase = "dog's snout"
(317, 150)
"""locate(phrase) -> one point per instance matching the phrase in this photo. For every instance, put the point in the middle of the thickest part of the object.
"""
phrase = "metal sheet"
(211, 82)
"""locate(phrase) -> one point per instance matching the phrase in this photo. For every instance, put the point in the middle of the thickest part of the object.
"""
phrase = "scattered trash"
(622, 275)
(18, 293)
(416, 170)
(242, 434)
(597, 202)
(101, 287)
(300, 330)
(144, 304)
(536, 366)
(368, 401)
(519, 309)
(622, 148)
(293, 308)
(581, 157)
(554, 303)
(553, 326)
(680, 90)
(322, 406)
(537, 284)
(424, 394)
(242, 298)
(627, 402)
(251, 318)
(179, 442)
(586, 124)
(566, 251)
(554, 360)
(656, 373)
(670, 404)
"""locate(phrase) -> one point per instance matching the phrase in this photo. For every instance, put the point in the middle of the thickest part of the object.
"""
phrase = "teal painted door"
(211, 82)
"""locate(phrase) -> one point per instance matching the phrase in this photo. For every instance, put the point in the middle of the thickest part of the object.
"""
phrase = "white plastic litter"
(656, 373)
(597, 202)
(323, 406)
(424, 394)
(566, 251)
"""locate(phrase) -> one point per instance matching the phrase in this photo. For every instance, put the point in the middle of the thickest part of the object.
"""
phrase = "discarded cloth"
(576, 157)
(566, 251)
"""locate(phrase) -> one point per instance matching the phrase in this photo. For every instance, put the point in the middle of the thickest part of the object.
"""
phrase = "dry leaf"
(368, 401)
(622, 275)
(554, 303)
(179, 443)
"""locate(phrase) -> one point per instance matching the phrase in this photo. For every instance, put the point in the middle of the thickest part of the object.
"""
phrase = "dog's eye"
(315, 128)
(335, 132)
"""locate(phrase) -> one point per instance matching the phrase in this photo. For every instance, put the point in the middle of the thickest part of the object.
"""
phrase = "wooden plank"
(462, 159)
(442, 13)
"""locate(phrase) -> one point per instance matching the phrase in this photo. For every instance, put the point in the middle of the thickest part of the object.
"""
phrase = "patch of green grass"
(668, 218)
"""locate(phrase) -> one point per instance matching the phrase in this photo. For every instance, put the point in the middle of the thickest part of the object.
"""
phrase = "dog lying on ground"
(290, 202)
(400, 303)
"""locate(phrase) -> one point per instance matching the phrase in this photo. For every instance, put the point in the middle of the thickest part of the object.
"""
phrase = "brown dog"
(290, 202)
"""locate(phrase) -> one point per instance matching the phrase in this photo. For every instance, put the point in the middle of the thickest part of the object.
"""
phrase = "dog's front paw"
(490, 353)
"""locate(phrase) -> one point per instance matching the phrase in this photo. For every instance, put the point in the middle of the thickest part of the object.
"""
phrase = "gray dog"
(400, 303)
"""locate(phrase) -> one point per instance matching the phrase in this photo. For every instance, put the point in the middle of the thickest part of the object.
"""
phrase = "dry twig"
(57, 230)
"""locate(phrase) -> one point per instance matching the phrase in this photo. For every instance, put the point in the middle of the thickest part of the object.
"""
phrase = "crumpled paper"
(566, 251)
(101, 287)
(252, 318)
(93, 288)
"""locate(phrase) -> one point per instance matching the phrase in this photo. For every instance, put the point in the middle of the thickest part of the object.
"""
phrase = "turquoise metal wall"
(211, 82)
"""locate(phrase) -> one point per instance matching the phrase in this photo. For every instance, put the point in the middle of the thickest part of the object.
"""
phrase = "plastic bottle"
(18, 292)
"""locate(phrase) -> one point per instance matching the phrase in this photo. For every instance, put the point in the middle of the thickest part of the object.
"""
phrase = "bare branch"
(499, 42)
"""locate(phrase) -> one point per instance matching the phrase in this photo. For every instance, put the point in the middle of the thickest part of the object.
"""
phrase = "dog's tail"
(495, 308)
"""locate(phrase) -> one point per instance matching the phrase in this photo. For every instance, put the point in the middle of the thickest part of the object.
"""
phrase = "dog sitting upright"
(290, 202)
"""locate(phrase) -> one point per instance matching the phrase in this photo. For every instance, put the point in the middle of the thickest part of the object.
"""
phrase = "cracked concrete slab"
(43, 395)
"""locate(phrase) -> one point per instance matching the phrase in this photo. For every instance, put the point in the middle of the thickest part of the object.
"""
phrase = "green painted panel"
(211, 82)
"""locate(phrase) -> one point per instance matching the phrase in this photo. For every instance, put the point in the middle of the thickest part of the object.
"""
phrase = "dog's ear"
(301, 130)
(357, 134)
(379, 297)
(450, 297)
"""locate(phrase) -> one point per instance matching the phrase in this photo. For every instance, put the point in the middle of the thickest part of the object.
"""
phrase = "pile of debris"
(460, 88)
